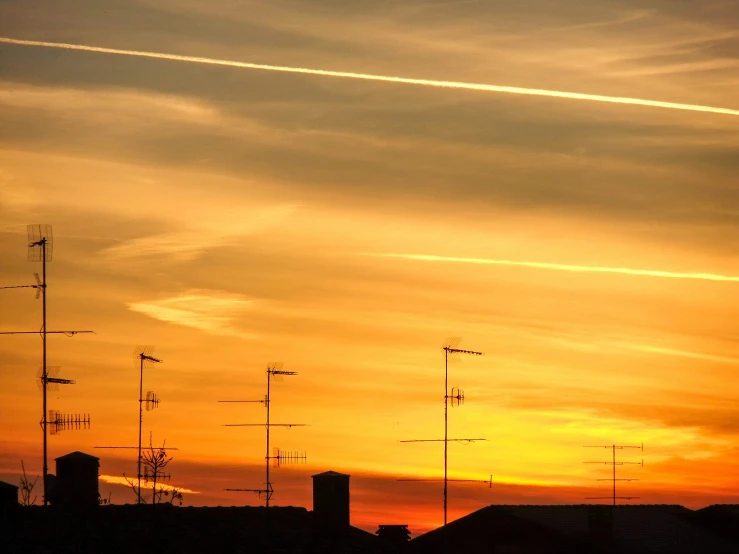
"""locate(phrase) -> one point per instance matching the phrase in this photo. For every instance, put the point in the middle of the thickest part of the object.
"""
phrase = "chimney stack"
(76, 484)
(331, 500)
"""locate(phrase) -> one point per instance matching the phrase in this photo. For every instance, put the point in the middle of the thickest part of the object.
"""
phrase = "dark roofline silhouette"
(330, 473)
(77, 454)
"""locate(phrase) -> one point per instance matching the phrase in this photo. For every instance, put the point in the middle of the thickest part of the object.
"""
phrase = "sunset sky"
(233, 216)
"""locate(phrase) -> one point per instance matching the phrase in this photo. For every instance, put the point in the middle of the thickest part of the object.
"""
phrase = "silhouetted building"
(399, 535)
(626, 529)
(76, 483)
(720, 519)
(167, 529)
(331, 500)
(8, 497)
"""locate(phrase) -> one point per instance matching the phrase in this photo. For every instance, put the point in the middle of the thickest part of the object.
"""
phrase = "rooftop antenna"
(274, 371)
(142, 357)
(60, 422)
(56, 421)
(614, 463)
(456, 398)
(41, 249)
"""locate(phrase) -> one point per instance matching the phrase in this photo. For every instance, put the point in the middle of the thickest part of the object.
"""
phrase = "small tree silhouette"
(27, 496)
(154, 461)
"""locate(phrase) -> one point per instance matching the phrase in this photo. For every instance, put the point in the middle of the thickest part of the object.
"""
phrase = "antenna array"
(274, 371)
(61, 422)
(456, 398)
(615, 463)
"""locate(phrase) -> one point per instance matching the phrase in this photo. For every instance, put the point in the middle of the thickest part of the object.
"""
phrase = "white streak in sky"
(564, 267)
(369, 77)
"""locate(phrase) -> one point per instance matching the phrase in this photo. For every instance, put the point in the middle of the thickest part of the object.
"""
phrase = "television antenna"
(456, 398)
(143, 357)
(41, 249)
(58, 422)
(55, 421)
(615, 463)
(274, 371)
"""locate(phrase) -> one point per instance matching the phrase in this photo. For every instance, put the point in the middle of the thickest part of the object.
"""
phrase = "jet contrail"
(388, 79)
(563, 267)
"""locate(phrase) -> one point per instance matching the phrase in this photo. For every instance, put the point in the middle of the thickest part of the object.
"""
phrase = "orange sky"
(233, 217)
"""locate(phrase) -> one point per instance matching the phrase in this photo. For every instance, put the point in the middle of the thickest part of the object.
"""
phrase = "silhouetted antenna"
(58, 422)
(280, 457)
(274, 371)
(40, 249)
(615, 463)
(143, 357)
(152, 401)
(51, 379)
(456, 398)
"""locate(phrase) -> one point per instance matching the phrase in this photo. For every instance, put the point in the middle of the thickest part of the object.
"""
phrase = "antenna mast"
(274, 370)
(456, 398)
(614, 463)
(41, 249)
(142, 357)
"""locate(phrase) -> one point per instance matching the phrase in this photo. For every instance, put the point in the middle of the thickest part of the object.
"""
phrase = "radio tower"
(41, 249)
(457, 399)
(274, 370)
(614, 463)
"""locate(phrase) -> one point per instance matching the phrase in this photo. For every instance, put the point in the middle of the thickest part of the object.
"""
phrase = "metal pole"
(446, 427)
(141, 421)
(614, 474)
(44, 373)
(266, 458)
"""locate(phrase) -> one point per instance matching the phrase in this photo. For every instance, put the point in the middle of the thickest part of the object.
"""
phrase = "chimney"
(397, 535)
(76, 484)
(600, 524)
(331, 500)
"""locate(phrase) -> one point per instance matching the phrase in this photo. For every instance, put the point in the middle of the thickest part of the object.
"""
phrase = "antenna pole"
(44, 374)
(446, 424)
(266, 456)
(614, 473)
(141, 421)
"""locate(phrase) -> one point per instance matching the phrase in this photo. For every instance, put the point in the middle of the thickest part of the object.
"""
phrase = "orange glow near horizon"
(347, 227)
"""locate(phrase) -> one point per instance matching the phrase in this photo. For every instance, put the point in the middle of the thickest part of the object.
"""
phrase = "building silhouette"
(76, 483)
(331, 500)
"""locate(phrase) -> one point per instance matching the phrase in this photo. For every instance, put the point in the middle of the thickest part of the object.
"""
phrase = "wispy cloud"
(563, 267)
(214, 312)
(385, 78)
(116, 480)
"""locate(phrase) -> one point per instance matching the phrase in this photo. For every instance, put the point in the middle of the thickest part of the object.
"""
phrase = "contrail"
(564, 267)
(385, 78)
